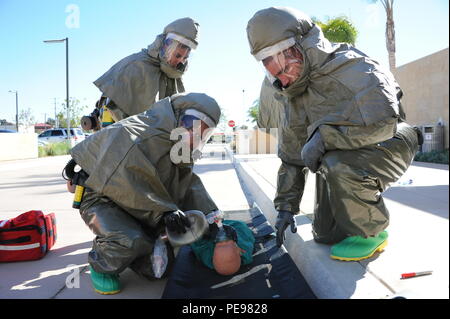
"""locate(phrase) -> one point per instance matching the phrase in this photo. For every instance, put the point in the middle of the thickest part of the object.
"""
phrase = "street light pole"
(56, 120)
(17, 109)
(67, 80)
(67, 88)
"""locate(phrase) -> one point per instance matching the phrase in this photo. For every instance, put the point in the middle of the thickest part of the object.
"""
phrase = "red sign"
(231, 123)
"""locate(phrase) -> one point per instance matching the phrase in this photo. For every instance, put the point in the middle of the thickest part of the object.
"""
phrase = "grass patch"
(439, 157)
(54, 149)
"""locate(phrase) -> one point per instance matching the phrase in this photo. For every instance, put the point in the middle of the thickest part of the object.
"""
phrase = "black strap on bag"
(18, 240)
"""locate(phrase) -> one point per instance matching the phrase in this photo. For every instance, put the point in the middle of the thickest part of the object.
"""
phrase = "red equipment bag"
(27, 237)
(50, 226)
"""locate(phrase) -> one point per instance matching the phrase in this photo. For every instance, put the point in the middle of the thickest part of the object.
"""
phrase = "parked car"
(7, 131)
(57, 135)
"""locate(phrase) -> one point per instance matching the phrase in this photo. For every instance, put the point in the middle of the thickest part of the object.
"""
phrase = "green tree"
(253, 111)
(390, 30)
(76, 111)
(338, 29)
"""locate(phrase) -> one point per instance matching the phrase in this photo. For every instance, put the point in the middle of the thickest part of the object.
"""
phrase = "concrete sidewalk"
(418, 235)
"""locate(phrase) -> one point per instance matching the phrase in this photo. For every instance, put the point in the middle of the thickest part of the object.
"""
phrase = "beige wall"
(255, 142)
(425, 86)
(15, 146)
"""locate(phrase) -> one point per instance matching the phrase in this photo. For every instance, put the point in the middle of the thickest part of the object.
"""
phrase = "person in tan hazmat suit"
(139, 180)
(134, 84)
(339, 115)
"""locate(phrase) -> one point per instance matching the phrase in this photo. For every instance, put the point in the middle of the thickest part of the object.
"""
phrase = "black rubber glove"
(284, 219)
(176, 221)
(231, 232)
(213, 229)
(313, 151)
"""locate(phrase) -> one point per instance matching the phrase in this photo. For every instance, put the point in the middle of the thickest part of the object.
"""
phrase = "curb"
(328, 278)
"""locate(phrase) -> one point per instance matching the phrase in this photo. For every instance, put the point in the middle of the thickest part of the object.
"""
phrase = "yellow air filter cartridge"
(79, 191)
(107, 118)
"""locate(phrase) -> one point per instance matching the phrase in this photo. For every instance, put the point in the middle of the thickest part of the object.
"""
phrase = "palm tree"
(390, 30)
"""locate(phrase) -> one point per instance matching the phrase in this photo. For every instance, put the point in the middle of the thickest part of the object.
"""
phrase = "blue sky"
(101, 32)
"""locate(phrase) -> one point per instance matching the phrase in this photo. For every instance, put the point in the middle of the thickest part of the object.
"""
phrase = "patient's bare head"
(227, 257)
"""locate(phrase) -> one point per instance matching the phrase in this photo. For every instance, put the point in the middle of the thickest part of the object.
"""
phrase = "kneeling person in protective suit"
(345, 123)
(140, 180)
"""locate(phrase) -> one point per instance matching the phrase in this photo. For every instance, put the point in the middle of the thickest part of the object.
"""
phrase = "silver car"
(57, 135)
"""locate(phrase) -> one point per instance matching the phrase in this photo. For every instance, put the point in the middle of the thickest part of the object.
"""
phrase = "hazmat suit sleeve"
(291, 182)
(197, 197)
(353, 137)
(132, 83)
(290, 178)
(271, 107)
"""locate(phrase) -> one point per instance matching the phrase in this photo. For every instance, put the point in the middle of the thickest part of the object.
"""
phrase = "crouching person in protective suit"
(133, 84)
(344, 118)
(140, 180)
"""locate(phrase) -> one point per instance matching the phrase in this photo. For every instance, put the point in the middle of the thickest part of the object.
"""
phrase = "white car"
(57, 135)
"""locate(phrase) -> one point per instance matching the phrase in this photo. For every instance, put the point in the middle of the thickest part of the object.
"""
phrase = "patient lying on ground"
(226, 247)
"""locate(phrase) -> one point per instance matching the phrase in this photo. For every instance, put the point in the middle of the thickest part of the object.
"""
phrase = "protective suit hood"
(134, 82)
(272, 25)
(288, 23)
(198, 101)
(185, 27)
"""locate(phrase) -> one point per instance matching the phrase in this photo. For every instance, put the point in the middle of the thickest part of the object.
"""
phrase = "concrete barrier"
(14, 146)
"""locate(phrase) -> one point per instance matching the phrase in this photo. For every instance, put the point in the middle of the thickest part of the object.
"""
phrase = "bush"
(54, 149)
(439, 157)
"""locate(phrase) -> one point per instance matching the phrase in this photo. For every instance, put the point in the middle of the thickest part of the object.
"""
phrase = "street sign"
(231, 123)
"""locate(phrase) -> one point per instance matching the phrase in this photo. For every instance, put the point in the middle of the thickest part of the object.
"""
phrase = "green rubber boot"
(105, 284)
(357, 248)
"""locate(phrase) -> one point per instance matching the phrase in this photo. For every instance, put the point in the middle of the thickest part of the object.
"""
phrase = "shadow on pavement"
(418, 197)
(46, 277)
(42, 183)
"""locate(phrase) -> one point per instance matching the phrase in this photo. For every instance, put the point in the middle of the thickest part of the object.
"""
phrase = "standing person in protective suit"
(131, 85)
(139, 180)
(340, 116)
